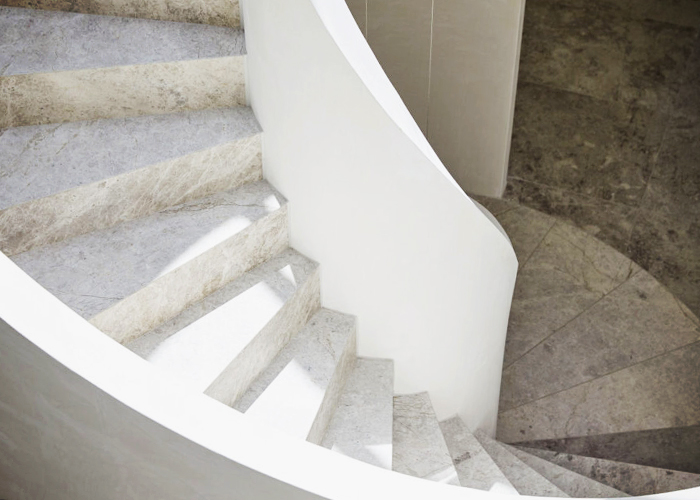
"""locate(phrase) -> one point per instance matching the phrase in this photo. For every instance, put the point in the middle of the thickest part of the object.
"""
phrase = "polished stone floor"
(607, 128)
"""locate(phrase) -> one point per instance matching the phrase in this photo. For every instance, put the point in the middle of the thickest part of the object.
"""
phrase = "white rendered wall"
(429, 277)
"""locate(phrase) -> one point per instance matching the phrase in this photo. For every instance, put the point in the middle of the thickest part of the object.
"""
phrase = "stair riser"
(123, 91)
(343, 369)
(129, 196)
(259, 353)
(171, 293)
(216, 12)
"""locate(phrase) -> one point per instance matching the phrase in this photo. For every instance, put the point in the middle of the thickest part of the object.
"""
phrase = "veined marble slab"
(58, 181)
(631, 478)
(129, 278)
(214, 12)
(475, 467)
(419, 446)
(525, 479)
(121, 91)
(37, 41)
(237, 329)
(362, 425)
(572, 483)
(299, 390)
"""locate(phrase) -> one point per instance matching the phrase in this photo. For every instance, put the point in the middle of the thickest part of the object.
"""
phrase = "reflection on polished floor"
(607, 128)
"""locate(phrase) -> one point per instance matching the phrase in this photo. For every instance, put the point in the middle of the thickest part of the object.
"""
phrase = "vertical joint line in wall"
(430, 67)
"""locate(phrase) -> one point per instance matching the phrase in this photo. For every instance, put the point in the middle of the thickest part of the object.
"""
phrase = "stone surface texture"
(574, 484)
(521, 476)
(129, 278)
(605, 129)
(221, 332)
(672, 448)
(362, 424)
(214, 12)
(299, 389)
(631, 478)
(475, 467)
(55, 184)
(419, 446)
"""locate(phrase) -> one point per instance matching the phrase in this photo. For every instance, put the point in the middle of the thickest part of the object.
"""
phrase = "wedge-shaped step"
(631, 478)
(475, 467)
(215, 12)
(299, 390)
(419, 446)
(129, 278)
(575, 485)
(220, 344)
(525, 479)
(361, 427)
(59, 66)
(58, 181)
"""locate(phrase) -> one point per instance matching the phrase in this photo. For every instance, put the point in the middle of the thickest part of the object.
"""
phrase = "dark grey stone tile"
(631, 478)
(588, 146)
(674, 448)
(657, 393)
(610, 222)
(637, 321)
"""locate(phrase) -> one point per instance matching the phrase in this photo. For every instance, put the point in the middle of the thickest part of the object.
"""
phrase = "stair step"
(419, 446)
(62, 66)
(214, 12)
(634, 479)
(129, 278)
(475, 467)
(220, 344)
(361, 427)
(58, 181)
(525, 479)
(575, 485)
(299, 390)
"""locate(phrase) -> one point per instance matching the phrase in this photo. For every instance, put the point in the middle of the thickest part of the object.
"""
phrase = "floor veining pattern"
(595, 344)
(607, 128)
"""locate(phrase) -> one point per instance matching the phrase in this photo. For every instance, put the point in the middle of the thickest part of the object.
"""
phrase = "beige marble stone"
(657, 393)
(299, 390)
(419, 446)
(122, 91)
(359, 12)
(232, 383)
(130, 195)
(215, 12)
(526, 480)
(636, 322)
(526, 229)
(475, 467)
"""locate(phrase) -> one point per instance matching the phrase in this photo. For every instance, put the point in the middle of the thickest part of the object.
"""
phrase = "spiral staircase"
(133, 191)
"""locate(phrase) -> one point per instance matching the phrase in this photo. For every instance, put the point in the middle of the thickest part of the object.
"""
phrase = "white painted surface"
(429, 277)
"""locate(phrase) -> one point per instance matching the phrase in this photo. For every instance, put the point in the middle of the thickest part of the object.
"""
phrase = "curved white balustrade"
(429, 277)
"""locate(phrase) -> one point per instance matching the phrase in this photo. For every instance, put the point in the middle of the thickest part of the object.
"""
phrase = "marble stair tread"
(62, 180)
(41, 160)
(38, 41)
(574, 484)
(192, 248)
(361, 427)
(475, 467)
(197, 345)
(525, 479)
(419, 448)
(633, 479)
(299, 390)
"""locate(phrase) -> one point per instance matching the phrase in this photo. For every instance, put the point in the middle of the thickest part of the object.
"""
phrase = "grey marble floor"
(607, 128)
